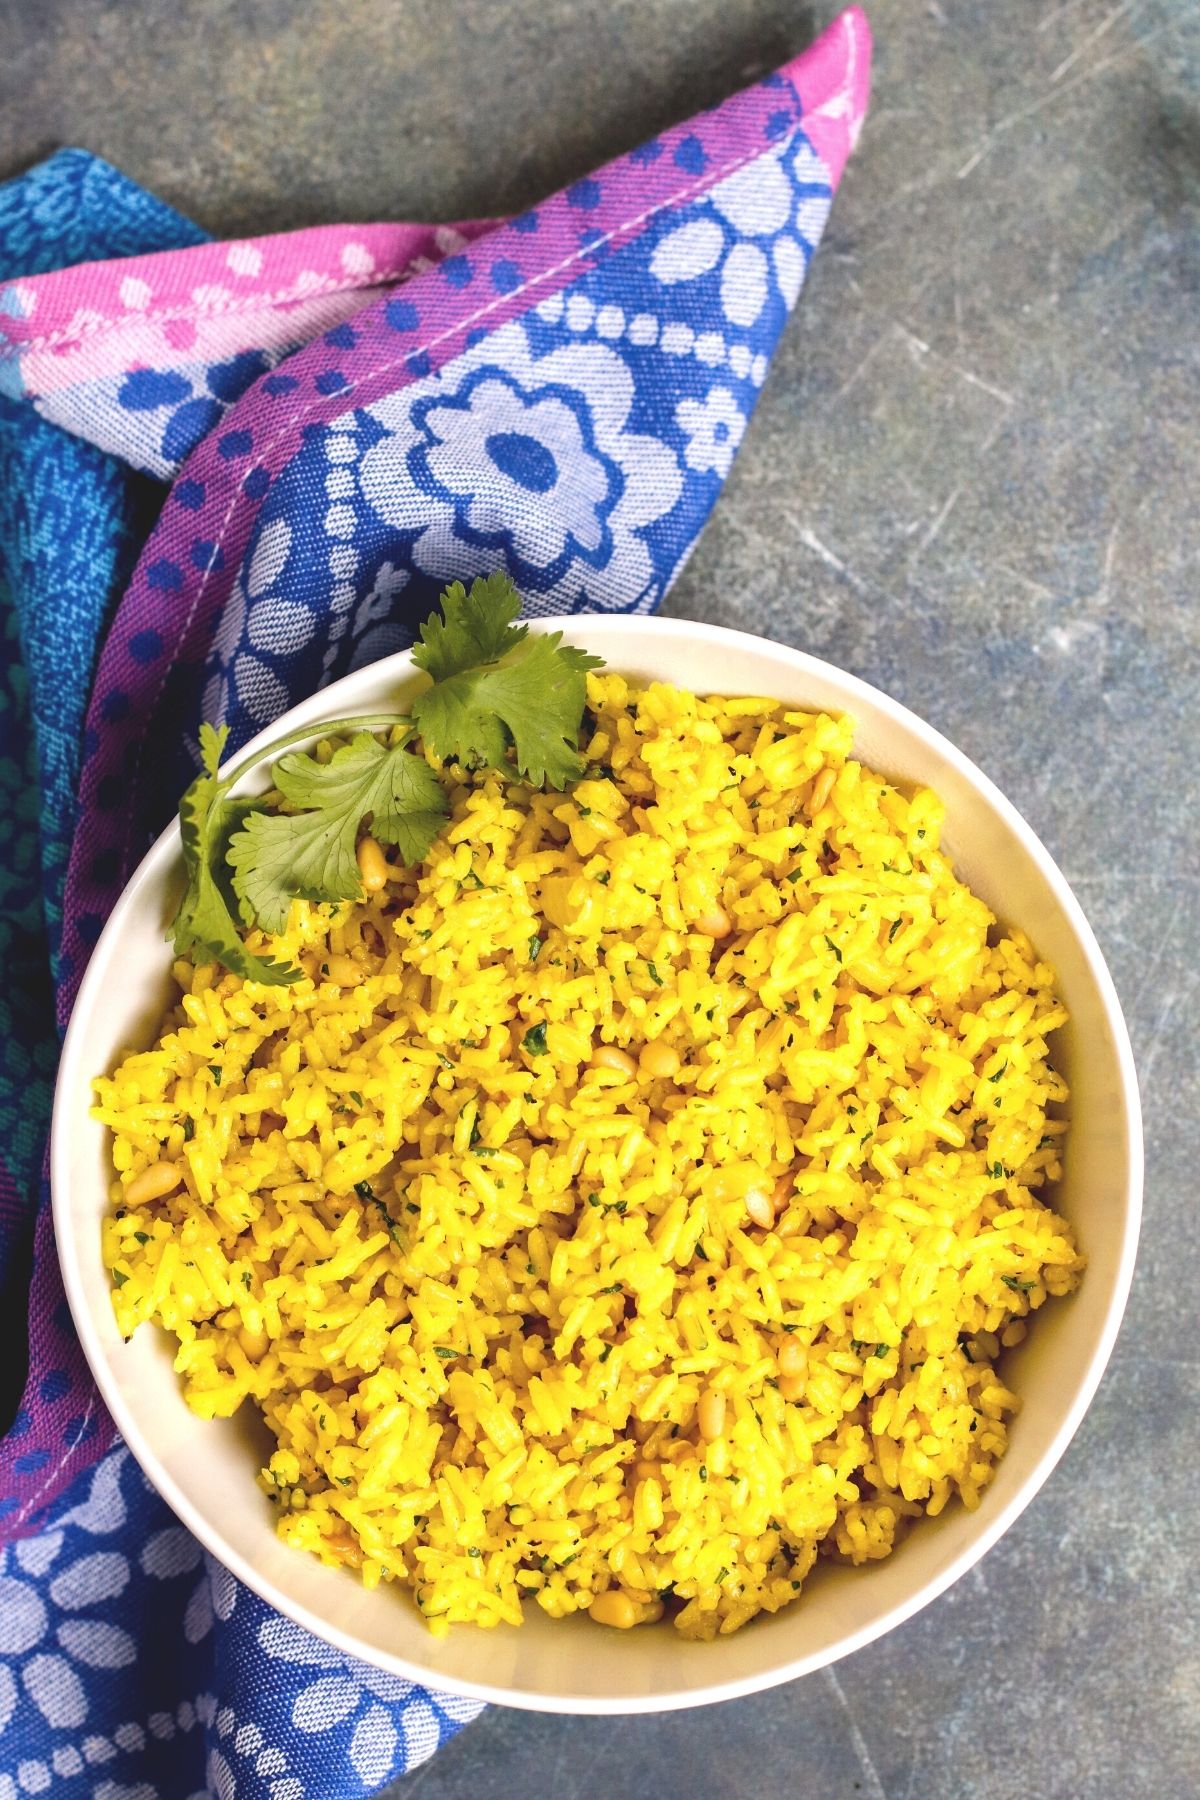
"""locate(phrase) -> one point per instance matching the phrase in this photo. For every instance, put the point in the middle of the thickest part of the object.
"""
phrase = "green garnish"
(499, 697)
(444, 1351)
(310, 854)
(535, 945)
(534, 1040)
(494, 685)
(205, 921)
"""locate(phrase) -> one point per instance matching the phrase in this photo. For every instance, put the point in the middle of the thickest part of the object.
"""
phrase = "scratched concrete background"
(973, 480)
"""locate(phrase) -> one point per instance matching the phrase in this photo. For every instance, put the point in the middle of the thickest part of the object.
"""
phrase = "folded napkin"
(349, 417)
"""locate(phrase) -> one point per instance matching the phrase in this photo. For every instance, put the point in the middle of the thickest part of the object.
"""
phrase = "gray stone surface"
(972, 479)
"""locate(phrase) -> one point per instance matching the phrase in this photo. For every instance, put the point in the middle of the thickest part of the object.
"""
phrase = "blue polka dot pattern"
(458, 271)
(145, 646)
(114, 707)
(234, 443)
(190, 494)
(54, 1385)
(690, 156)
(164, 575)
(147, 389)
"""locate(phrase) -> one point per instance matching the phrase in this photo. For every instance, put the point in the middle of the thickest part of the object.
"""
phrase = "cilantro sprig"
(494, 685)
(310, 854)
(498, 698)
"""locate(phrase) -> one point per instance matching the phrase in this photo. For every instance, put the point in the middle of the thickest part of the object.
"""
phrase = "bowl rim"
(164, 852)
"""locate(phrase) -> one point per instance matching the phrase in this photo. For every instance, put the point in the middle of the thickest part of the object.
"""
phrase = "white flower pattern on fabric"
(342, 1689)
(758, 201)
(714, 428)
(579, 446)
(508, 454)
(52, 1632)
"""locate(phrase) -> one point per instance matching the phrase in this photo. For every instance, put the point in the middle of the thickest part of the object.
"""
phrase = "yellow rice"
(477, 1291)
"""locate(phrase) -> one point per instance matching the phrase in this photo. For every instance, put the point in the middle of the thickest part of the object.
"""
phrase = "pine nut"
(658, 1062)
(791, 1356)
(714, 922)
(791, 1387)
(760, 1206)
(615, 1608)
(372, 865)
(822, 787)
(711, 1414)
(344, 971)
(607, 1056)
(154, 1183)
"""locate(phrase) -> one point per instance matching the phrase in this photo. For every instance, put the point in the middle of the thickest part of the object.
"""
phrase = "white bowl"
(206, 1471)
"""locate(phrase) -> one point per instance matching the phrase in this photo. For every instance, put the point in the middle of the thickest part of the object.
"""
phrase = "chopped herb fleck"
(214, 1070)
(118, 1278)
(143, 1237)
(606, 1353)
(364, 1190)
(189, 1130)
(535, 945)
(534, 1041)
(833, 946)
(356, 1097)
(655, 977)
(444, 1352)
(896, 924)
(1017, 1285)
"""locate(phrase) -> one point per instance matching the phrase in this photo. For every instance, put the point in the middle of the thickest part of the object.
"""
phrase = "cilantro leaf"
(310, 854)
(205, 921)
(494, 686)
